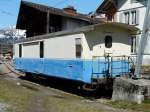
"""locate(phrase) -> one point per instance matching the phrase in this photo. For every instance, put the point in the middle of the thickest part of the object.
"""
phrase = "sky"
(9, 8)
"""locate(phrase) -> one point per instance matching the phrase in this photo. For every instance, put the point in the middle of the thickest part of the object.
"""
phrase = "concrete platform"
(131, 90)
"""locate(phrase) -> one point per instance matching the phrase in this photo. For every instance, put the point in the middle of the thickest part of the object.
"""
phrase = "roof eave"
(103, 5)
(60, 33)
(131, 29)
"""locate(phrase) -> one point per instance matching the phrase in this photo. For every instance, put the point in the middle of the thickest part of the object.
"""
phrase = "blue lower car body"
(77, 70)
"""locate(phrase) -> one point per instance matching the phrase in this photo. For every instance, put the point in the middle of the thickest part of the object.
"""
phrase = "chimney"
(70, 9)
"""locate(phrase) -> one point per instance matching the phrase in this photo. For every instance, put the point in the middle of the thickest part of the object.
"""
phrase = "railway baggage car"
(85, 54)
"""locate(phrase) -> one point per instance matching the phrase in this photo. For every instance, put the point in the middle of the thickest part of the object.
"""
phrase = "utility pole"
(143, 42)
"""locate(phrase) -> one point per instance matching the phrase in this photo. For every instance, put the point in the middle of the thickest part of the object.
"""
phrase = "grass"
(16, 97)
(22, 99)
(65, 105)
(144, 107)
(25, 98)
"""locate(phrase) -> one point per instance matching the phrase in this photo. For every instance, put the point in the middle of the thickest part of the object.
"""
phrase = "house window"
(108, 41)
(20, 50)
(127, 17)
(78, 47)
(134, 17)
(131, 17)
(133, 44)
(41, 49)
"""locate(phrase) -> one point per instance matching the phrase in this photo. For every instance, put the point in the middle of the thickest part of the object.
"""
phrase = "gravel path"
(2, 107)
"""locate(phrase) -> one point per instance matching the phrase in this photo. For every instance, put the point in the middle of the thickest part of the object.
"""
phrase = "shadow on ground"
(69, 86)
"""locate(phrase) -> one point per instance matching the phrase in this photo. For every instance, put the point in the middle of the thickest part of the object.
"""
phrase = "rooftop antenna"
(143, 42)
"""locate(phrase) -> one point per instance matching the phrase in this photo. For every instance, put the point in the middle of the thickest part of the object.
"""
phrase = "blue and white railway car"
(78, 54)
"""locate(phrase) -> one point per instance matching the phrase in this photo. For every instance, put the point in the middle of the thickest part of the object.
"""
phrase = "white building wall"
(94, 42)
(61, 47)
(126, 5)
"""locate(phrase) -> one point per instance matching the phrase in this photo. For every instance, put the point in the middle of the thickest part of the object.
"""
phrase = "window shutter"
(121, 17)
(137, 17)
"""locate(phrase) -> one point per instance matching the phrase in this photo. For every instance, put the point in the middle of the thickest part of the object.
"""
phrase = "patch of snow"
(2, 36)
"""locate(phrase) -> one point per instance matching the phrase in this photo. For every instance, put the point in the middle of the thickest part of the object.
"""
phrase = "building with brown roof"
(39, 19)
